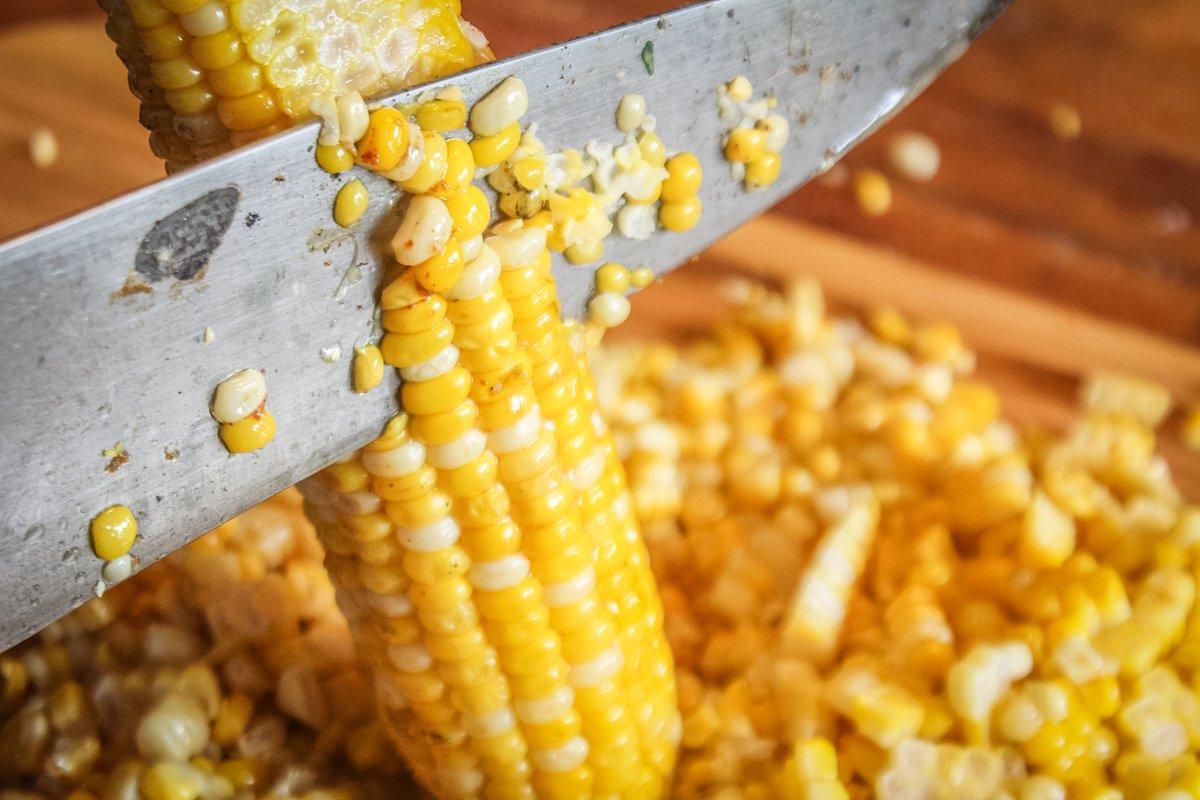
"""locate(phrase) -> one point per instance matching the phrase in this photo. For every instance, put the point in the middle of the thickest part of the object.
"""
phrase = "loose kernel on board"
(608, 309)
(1064, 121)
(113, 532)
(915, 156)
(872, 192)
(385, 143)
(680, 216)
(43, 148)
(739, 89)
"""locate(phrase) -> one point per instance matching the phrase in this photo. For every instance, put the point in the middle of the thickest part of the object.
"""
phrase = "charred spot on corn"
(181, 244)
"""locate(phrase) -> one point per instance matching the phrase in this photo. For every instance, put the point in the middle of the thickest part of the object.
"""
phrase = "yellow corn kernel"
(873, 192)
(745, 145)
(763, 171)
(406, 350)
(217, 50)
(385, 144)
(368, 368)
(233, 715)
(652, 148)
(350, 203)
(684, 176)
(433, 167)
(191, 99)
(165, 41)
(470, 213)
(437, 395)
(492, 150)
(442, 115)
(246, 113)
(113, 532)
(171, 781)
(530, 172)
(1189, 429)
(248, 434)
(680, 216)
(442, 272)
(460, 170)
(585, 252)
(236, 80)
(334, 159)
(182, 6)
(613, 277)
(642, 277)
(175, 73)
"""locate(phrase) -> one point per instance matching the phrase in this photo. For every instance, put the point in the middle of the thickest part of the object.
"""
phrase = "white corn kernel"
(598, 670)
(500, 107)
(491, 724)
(521, 433)
(441, 363)
(503, 573)
(423, 232)
(411, 658)
(739, 89)
(585, 474)
(637, 221)
(518, 248)
(43, 148)
(608, 309)
(352, 116)
(561, 759)
(546, 709)
(239, 395)
(915, 156)
(395, 463)
(118, 569)
(430, 538)
(570, 591)
(479, 275)
(459, 452)
(777, 130)
(391, 605)
(630, 112)
(472, 247)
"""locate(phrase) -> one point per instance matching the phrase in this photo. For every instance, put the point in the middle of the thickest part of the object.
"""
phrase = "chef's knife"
(103, 315)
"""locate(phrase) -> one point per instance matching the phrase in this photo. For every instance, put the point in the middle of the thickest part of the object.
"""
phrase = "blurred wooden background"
(1054, 255)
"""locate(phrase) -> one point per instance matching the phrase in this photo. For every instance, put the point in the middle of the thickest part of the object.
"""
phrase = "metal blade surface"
(101, 335)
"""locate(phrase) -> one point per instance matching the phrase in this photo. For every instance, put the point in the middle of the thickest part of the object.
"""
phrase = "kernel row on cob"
(514, 627)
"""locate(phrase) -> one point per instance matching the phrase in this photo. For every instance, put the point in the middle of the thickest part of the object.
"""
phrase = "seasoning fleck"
(648, 58)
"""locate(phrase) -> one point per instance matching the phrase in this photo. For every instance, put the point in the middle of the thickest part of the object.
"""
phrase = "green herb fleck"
(648, 58)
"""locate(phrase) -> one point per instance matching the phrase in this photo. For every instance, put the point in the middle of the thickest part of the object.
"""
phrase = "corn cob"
(483, 547)
(216, 74)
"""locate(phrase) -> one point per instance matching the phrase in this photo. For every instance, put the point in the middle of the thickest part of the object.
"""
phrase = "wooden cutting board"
(1033, 347)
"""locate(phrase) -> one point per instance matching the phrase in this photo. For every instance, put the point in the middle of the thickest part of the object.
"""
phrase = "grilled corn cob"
(215, 74)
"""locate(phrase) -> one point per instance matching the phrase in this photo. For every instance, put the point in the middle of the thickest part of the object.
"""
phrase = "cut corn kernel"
(113, 532)
(350, 203)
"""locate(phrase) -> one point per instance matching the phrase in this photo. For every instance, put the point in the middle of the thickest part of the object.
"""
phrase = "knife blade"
(102, 330)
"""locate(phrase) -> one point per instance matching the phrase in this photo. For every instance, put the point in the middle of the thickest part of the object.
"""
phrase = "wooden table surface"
(1054, 256)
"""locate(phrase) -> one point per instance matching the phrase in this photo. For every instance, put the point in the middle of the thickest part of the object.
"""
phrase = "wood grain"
(1054, 257)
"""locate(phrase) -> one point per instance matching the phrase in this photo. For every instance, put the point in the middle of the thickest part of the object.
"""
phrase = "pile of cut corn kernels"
(874, 587)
